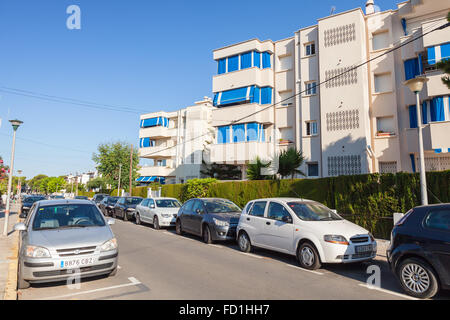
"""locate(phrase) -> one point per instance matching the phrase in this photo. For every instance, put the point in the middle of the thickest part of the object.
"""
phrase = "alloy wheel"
(415, 278)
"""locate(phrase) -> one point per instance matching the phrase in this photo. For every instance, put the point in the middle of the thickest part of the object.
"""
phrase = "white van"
(304, 228)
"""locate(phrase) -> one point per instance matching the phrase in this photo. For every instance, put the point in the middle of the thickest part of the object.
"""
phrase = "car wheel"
(206, 235)
(307, 256)
(114, 214)
(138, 219)
(417, 278)
(178, 228)
(125, 216)
(244, 242)
(113, 273)
(21, 283)
(156, 223)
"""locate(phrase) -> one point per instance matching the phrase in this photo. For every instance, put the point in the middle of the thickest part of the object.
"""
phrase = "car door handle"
(268, 223)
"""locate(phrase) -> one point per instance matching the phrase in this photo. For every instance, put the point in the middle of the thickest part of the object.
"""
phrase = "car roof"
(162, 198)
(434, 205)
(284, 199)
(62, 202)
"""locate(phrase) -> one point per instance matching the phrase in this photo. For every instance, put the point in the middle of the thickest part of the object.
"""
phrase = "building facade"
(334, 90)
(172, 144)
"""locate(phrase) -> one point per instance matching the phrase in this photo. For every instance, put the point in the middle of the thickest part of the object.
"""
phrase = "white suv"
(304, 228)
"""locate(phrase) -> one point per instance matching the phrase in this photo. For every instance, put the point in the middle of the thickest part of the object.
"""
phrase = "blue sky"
(146, 55)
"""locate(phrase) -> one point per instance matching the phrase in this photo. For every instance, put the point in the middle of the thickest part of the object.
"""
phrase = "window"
(412, 68)
(247, 208)
(311, 88)
(438, 53)
(258, 209)
(154, 122)
(198, 205)
(380, 40)
(310, 49)
(387, 166)
(187, 207)
(255, 132)
(412, 116)
(385, 126)
(266, 60)
(438, 219)
(266, 95)
(257, 59)
(246, 60)
(382, 82)
(311, 128)
(144, 202)
(146, 142)
(239, 133)
(222, 68)
(277, 211)
(151, 202)
(233, 63)
(223, 134)
(313, 169)
(161, 163)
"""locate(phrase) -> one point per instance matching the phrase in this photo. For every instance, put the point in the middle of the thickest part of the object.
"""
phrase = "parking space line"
(387, 291)
(312, 271)
(251, 255)
(133, 282)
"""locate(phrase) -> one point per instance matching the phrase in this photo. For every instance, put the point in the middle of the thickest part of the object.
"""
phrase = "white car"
(304, 228)
(160, 212)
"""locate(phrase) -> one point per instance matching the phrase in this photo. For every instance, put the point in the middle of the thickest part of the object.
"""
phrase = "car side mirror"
(20, 226)
(152, 206)
(110, 221)
(287, 219)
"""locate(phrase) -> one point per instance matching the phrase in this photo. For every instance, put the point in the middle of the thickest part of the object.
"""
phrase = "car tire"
(307, 256)
(178, 228)
(125, 216)
(113, 273)
(21, 283)
(417, 278)
(244, 242)
(206, 234)
(156, 225)
(138, 219)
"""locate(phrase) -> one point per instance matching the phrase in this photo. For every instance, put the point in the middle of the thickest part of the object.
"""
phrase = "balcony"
(156, 171)
(241, 152)
(162, 151)
(250, 112)
(157, 132)
(435, 136)
(243, 78)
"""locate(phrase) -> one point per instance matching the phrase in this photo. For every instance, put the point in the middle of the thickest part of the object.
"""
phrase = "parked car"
(107, 205)
(125, 207)
(27, 203)
(211, 218)
(54, 197)
(81, 198)
(303, 228)
(99, 197)
(62, 237)
(419, 253)
(160, 212)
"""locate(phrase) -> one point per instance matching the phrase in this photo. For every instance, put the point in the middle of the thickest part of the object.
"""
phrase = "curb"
(11, 280)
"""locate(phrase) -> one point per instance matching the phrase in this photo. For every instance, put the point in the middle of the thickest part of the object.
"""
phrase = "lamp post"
(416, 85)
(120, 171)
(15, 124)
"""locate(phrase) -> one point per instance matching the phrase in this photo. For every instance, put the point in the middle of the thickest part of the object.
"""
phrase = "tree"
(108, 158)
(55, 184)
(4, 170)
(254, 170)
(221, 171)
(444, 65)
(35, 182)
(289, 161)
(97, 183)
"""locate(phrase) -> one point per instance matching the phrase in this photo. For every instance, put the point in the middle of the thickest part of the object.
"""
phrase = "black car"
(125, 207)
(211, 218)
(99, 197)
(107, 205)
(27, 203)
(419, 253)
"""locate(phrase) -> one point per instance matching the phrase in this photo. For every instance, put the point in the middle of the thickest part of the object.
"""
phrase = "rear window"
(33, 199)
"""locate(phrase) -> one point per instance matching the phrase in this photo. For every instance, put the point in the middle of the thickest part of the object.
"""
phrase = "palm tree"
(254, 170)
(289, 161)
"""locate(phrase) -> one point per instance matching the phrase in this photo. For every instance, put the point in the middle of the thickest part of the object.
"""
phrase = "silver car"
(160, 212)
(63, 239)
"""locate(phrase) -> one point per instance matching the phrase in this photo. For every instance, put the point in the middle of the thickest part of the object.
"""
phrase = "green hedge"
(368, 200)
(88, 194)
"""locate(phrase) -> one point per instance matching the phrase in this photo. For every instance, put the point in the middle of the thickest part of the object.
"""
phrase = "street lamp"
(416, 85)
(120, 171)
(15, 124)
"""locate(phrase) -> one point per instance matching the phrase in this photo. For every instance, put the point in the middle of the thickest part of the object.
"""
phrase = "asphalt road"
(162, 265)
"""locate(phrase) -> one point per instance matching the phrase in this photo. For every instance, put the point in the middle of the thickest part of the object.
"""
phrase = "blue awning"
(149, 179)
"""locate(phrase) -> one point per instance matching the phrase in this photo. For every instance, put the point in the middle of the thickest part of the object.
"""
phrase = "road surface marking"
(216, 245)
(251, 255)
(387, 291)
(133, 282)
(312, 271)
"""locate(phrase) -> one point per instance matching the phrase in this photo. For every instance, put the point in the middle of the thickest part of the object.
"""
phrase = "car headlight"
(333, 238)
(371, 237)
(37, 252)
(220, 223)
(109, 245)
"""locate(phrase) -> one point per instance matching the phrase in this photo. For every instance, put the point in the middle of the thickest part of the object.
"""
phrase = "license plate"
(76, 263)
(363, 249)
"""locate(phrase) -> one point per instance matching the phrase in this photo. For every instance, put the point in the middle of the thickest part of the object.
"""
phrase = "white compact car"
(304, 228)
(160, 212)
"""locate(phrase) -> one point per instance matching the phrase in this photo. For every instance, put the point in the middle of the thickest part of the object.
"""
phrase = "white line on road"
(251, 255)
(387, 291)
(133, 282)
(119, 267)
(312, 271)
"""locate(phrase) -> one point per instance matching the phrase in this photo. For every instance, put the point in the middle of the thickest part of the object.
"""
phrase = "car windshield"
(220, 206)
(133, 200)
(67, 216)
(33, 199)
(112, 199)
(168, 203)
(99, 197)
(313, 211)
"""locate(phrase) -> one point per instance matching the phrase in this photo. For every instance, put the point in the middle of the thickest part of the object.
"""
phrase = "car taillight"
(403, 219)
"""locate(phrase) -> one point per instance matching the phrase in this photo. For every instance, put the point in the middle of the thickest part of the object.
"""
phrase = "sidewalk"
(8, 255)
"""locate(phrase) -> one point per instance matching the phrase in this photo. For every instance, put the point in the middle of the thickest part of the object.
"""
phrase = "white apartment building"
(268, 98)
(174, 144)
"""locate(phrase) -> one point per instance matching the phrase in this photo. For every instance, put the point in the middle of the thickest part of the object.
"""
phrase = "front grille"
(69, 272)
(75, 251)
(359, 239)
(175, 215)
(361, 255)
